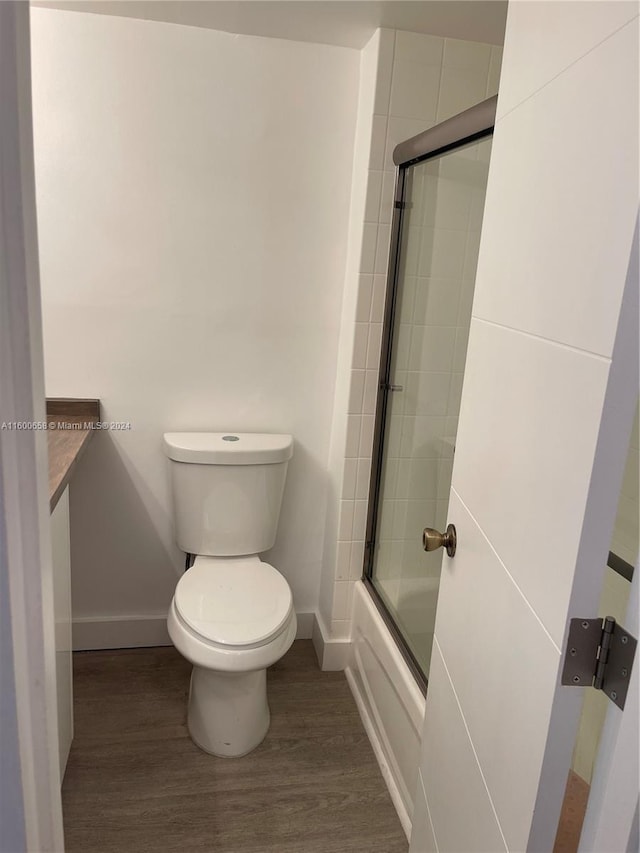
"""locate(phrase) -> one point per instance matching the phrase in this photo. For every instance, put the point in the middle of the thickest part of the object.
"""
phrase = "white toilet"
(232, 615)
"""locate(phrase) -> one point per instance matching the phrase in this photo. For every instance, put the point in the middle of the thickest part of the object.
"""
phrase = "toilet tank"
(227, 490)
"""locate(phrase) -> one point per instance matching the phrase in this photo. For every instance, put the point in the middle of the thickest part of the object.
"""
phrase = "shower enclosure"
(439, 202)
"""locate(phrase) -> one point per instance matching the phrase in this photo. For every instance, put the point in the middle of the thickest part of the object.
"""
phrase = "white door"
(550, 390)
(611, 821)
(30, 809)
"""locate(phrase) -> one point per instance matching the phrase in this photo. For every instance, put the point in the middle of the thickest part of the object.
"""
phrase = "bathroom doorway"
(439, 203)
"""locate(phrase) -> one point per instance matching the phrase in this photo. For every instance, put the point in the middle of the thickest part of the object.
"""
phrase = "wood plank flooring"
(136, 783)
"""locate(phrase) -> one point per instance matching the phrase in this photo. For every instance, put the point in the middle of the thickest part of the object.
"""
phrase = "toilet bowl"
(231, 618)
(232, 614)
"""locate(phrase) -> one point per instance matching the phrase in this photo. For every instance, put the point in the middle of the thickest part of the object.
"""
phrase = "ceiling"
(347, 23)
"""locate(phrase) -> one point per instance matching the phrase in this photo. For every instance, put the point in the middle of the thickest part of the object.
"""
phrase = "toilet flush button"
(230, 438)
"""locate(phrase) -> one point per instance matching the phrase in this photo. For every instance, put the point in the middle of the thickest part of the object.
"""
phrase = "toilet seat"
(233, 602)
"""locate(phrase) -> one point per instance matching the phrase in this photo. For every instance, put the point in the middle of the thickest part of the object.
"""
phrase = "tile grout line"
(563, 70)
(581, 350)
(475, 754)
(508, 573)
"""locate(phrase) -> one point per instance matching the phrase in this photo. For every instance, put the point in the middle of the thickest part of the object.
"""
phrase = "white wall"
(557, 233)
(193, 194)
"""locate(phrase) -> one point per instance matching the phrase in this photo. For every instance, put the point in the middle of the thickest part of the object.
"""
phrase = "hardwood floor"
(136, 783)
(574, 807)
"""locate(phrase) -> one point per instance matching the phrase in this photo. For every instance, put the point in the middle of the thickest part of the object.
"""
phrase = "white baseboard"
(131, 632)
(372, 734)
(332, 654)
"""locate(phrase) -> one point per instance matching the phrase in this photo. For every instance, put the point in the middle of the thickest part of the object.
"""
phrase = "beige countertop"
(69, 431)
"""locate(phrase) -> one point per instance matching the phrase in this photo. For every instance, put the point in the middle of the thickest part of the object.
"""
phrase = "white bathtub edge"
(378, 751)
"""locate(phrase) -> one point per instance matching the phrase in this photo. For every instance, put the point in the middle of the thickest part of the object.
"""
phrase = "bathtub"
(389, 700)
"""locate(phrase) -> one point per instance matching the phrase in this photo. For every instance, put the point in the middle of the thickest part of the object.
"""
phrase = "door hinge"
(599, 654)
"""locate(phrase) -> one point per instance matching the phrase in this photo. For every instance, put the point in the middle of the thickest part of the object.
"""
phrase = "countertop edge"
(70, 428)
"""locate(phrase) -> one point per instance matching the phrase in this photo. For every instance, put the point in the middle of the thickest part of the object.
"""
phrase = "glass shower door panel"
(444, 200)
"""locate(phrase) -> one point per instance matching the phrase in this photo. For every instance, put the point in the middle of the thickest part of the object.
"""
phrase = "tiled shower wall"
(440, 252)
(421, 81)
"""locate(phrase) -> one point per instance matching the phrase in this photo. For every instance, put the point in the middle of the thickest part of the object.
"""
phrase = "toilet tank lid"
(228, 448)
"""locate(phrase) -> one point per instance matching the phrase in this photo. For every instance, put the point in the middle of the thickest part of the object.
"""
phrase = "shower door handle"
(433, 539)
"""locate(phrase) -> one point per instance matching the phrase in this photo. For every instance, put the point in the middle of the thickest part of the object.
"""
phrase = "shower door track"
(465, 128)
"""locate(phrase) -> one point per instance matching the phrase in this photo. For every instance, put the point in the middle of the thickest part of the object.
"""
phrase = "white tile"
(370, 392)
(455, 394)
(366, 435)
(493, 78)
(345, 523)
(567, 31)
(570, 241)
(460, 88)
(422, 436)
(356, 391)
(363, 477)
(442, 253)
(414, 90)
(372, 204)
(357, 560)
(427, 394)
(432, 348)
(368, 253)
(422, 837)
(462, 815)
(393, 432)
(450, 196)
(467, 55)
(414, 239)
(401, 347)
(349, 478)
(363, 306)
(460, 350)
(385, 520)
(386, 197)
(423, 480)
(378, 298)
(360, 343)
(436, 302)
(474, 583)
(476, 211)
(340, 609)
(399, 519)
(471, 252)
(465, 305)
(385, 66)
(374, 345)
(399, 130)
(444, 478)
(405, 299)
(378, 142)
(417, 47)
(343, 560)
(404, 475)
(382, 249)
(390, 476)
(354, 426)
(359, 519)
(528, 428)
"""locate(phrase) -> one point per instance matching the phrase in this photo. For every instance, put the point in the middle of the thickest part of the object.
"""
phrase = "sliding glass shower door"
(439, 205)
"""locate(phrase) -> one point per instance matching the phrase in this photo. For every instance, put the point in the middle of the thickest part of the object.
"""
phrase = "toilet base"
(228, 712)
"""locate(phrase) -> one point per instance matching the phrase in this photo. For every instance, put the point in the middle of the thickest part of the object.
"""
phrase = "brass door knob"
(433, 539)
